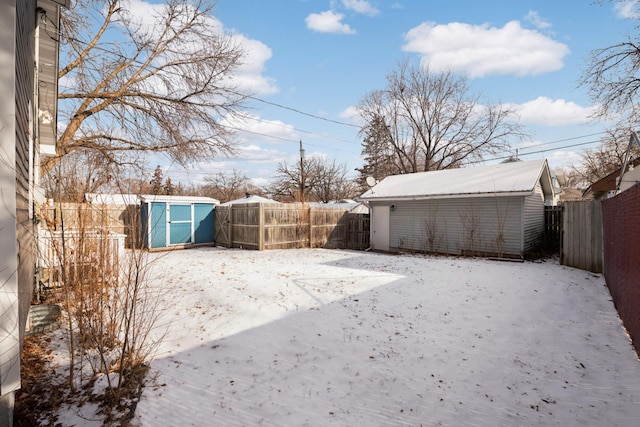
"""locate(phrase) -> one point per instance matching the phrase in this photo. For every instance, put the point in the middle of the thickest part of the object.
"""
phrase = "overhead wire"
(315, 134)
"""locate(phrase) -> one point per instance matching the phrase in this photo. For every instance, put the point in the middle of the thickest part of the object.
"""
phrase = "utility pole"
(302, 177)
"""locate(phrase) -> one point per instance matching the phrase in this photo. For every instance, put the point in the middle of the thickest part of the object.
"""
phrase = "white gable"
(516, 178)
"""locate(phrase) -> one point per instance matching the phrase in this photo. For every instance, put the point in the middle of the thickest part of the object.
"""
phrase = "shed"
(170, 222)
(494, 210)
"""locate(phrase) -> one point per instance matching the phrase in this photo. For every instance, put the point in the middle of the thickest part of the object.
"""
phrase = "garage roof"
(514, 178)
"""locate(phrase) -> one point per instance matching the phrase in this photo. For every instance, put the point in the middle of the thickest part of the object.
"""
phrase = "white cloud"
(549, 112)
(258, 155)
(328, 22)
(260, 130)
(626, 9)
(361, 6)
(264, 145)
(249, 75)
(561, 158)
(351, 114)
(481, 50)
(536, 20)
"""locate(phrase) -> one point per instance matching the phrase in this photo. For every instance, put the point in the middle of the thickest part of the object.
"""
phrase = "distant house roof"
(151, 198)
(346, 204)
(360, 208)
(249, 199)
(514, 178)
(606, 184)
(112, 199)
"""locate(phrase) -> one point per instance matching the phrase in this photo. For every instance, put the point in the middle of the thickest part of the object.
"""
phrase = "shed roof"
(515, 179)
(150, 198)
(112, 199)
(249, 199)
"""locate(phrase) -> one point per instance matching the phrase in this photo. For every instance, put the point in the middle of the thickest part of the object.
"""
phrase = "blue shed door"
(179, 224)
(158, 225)
(203, 223)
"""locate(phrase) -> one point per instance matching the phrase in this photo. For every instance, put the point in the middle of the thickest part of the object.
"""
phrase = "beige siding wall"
(17, 25)
(533, 218)
(484, 225)
(25, 48)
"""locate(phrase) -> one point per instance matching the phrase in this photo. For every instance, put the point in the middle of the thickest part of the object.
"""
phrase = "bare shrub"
(433, 236)
(109, 305)
(472, 234)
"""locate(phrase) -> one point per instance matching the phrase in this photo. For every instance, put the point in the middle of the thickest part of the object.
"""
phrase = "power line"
(295, 110)
(298, 111)
(559, 148)
(284, 126)
(570, 138)
(284, 139)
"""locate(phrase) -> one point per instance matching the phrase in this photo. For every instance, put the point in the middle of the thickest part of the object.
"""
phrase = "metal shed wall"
(179, 224)
(482, 225)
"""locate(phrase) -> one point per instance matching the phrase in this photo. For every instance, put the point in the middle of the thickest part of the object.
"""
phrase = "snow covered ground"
(328, 337)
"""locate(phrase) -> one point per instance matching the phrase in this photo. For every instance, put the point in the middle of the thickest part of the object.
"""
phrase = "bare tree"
(606, 158)
(77, 174)
(324, 180)
(613, 76)
(329, 181)
(288, 181)
(430, 121)
(226, 187)
(158, 83)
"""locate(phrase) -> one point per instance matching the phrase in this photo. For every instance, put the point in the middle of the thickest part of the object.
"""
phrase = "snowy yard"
(327, 337)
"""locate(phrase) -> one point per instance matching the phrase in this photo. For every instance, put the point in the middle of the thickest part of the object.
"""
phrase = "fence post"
(310, 241)
(260, 227)
(230, 229)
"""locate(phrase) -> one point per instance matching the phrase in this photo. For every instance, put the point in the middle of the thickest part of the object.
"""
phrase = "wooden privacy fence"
(279, 226)
(552, 237)
(119, 219)
(75, 251)
(582, 235)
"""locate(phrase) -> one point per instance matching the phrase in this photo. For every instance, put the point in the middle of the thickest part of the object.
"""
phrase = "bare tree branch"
(425, 121)
(162, 87)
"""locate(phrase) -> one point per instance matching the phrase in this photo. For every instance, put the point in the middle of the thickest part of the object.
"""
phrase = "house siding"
(25, 48)
(533, 218)
(17, 23)
(483, 225)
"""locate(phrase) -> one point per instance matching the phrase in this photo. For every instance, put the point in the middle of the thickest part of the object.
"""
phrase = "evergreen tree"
(376, 153)
(156, 181)
(169, 188)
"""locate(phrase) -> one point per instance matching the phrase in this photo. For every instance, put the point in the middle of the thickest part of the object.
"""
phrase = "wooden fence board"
(281, 226)
(119, 219)
(358, 233)
(582, 235)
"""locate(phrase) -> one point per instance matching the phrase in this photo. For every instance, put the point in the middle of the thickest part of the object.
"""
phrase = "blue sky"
(320, 57)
